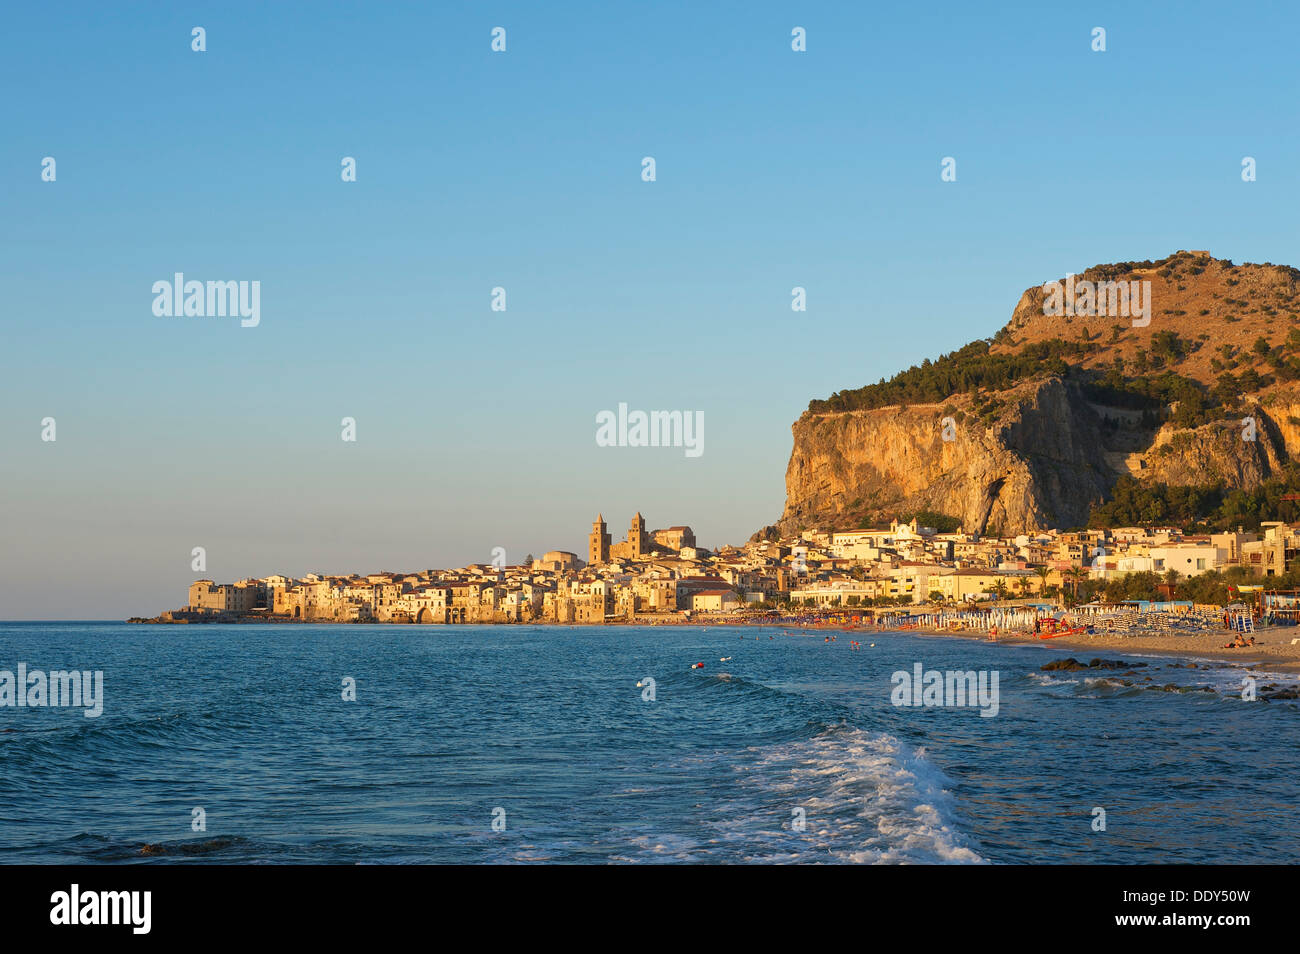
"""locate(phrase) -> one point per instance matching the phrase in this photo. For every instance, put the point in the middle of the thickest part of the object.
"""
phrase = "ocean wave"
(82, 737)
(860, 797)
(1043, 679)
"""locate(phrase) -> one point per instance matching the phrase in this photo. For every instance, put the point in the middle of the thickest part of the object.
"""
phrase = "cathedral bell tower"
(636, 536)
(598, 542)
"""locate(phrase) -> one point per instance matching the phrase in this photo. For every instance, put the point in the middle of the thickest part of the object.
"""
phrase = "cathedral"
(639, 544)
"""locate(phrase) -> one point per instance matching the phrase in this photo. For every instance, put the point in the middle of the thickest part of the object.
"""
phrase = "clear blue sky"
(476, 169)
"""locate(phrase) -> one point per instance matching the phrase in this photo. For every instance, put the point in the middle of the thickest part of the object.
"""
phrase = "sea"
(357, 744)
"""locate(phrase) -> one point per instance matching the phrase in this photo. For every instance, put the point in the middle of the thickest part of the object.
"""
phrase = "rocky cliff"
(1043, 450)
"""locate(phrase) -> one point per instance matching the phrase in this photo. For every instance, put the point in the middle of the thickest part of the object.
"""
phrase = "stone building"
(237, 598)
(674, 538)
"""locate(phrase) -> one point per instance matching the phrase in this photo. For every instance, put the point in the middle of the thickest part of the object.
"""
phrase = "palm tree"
(1076, 575)
(1042, 573)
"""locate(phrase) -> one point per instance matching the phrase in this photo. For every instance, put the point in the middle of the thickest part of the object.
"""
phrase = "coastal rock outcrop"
(1073, 665)
(1045, 444)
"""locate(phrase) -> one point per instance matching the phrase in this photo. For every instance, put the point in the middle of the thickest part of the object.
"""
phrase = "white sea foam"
(866, 797)
(1043, 679)
(888, 789)
(1115, 682)
(1230, 681)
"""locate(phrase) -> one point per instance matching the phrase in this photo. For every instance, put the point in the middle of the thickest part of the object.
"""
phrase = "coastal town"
(664, 575)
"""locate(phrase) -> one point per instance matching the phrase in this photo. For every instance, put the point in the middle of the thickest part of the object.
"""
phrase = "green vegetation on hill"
(1189, 403)
(1148, 385)
(1216, 587)
(1197, 508)
(966, 370)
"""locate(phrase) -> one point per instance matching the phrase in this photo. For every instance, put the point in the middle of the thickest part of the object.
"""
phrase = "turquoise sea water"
(547, 725)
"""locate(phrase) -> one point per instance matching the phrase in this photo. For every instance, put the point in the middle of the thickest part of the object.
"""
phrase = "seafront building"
(664, 572)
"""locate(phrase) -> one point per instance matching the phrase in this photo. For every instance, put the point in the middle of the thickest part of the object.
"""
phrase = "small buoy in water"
(725, 659)
(697, 665)
(638, 683)
(873, 645)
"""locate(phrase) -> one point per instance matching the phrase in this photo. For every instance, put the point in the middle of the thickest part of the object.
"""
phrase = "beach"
(1273, 649)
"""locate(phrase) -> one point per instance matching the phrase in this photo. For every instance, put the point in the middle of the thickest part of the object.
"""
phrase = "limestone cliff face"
(1028, 450)
(1219, 452)
(1037, 465)
(1046, 459)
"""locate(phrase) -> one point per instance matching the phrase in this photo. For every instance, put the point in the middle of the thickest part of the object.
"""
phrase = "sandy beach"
(1273, 649)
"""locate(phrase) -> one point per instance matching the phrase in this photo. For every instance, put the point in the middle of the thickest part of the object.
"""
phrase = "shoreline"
(1273, 651)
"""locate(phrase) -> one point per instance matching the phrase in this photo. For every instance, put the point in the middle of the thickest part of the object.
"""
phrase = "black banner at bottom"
(144, 903)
